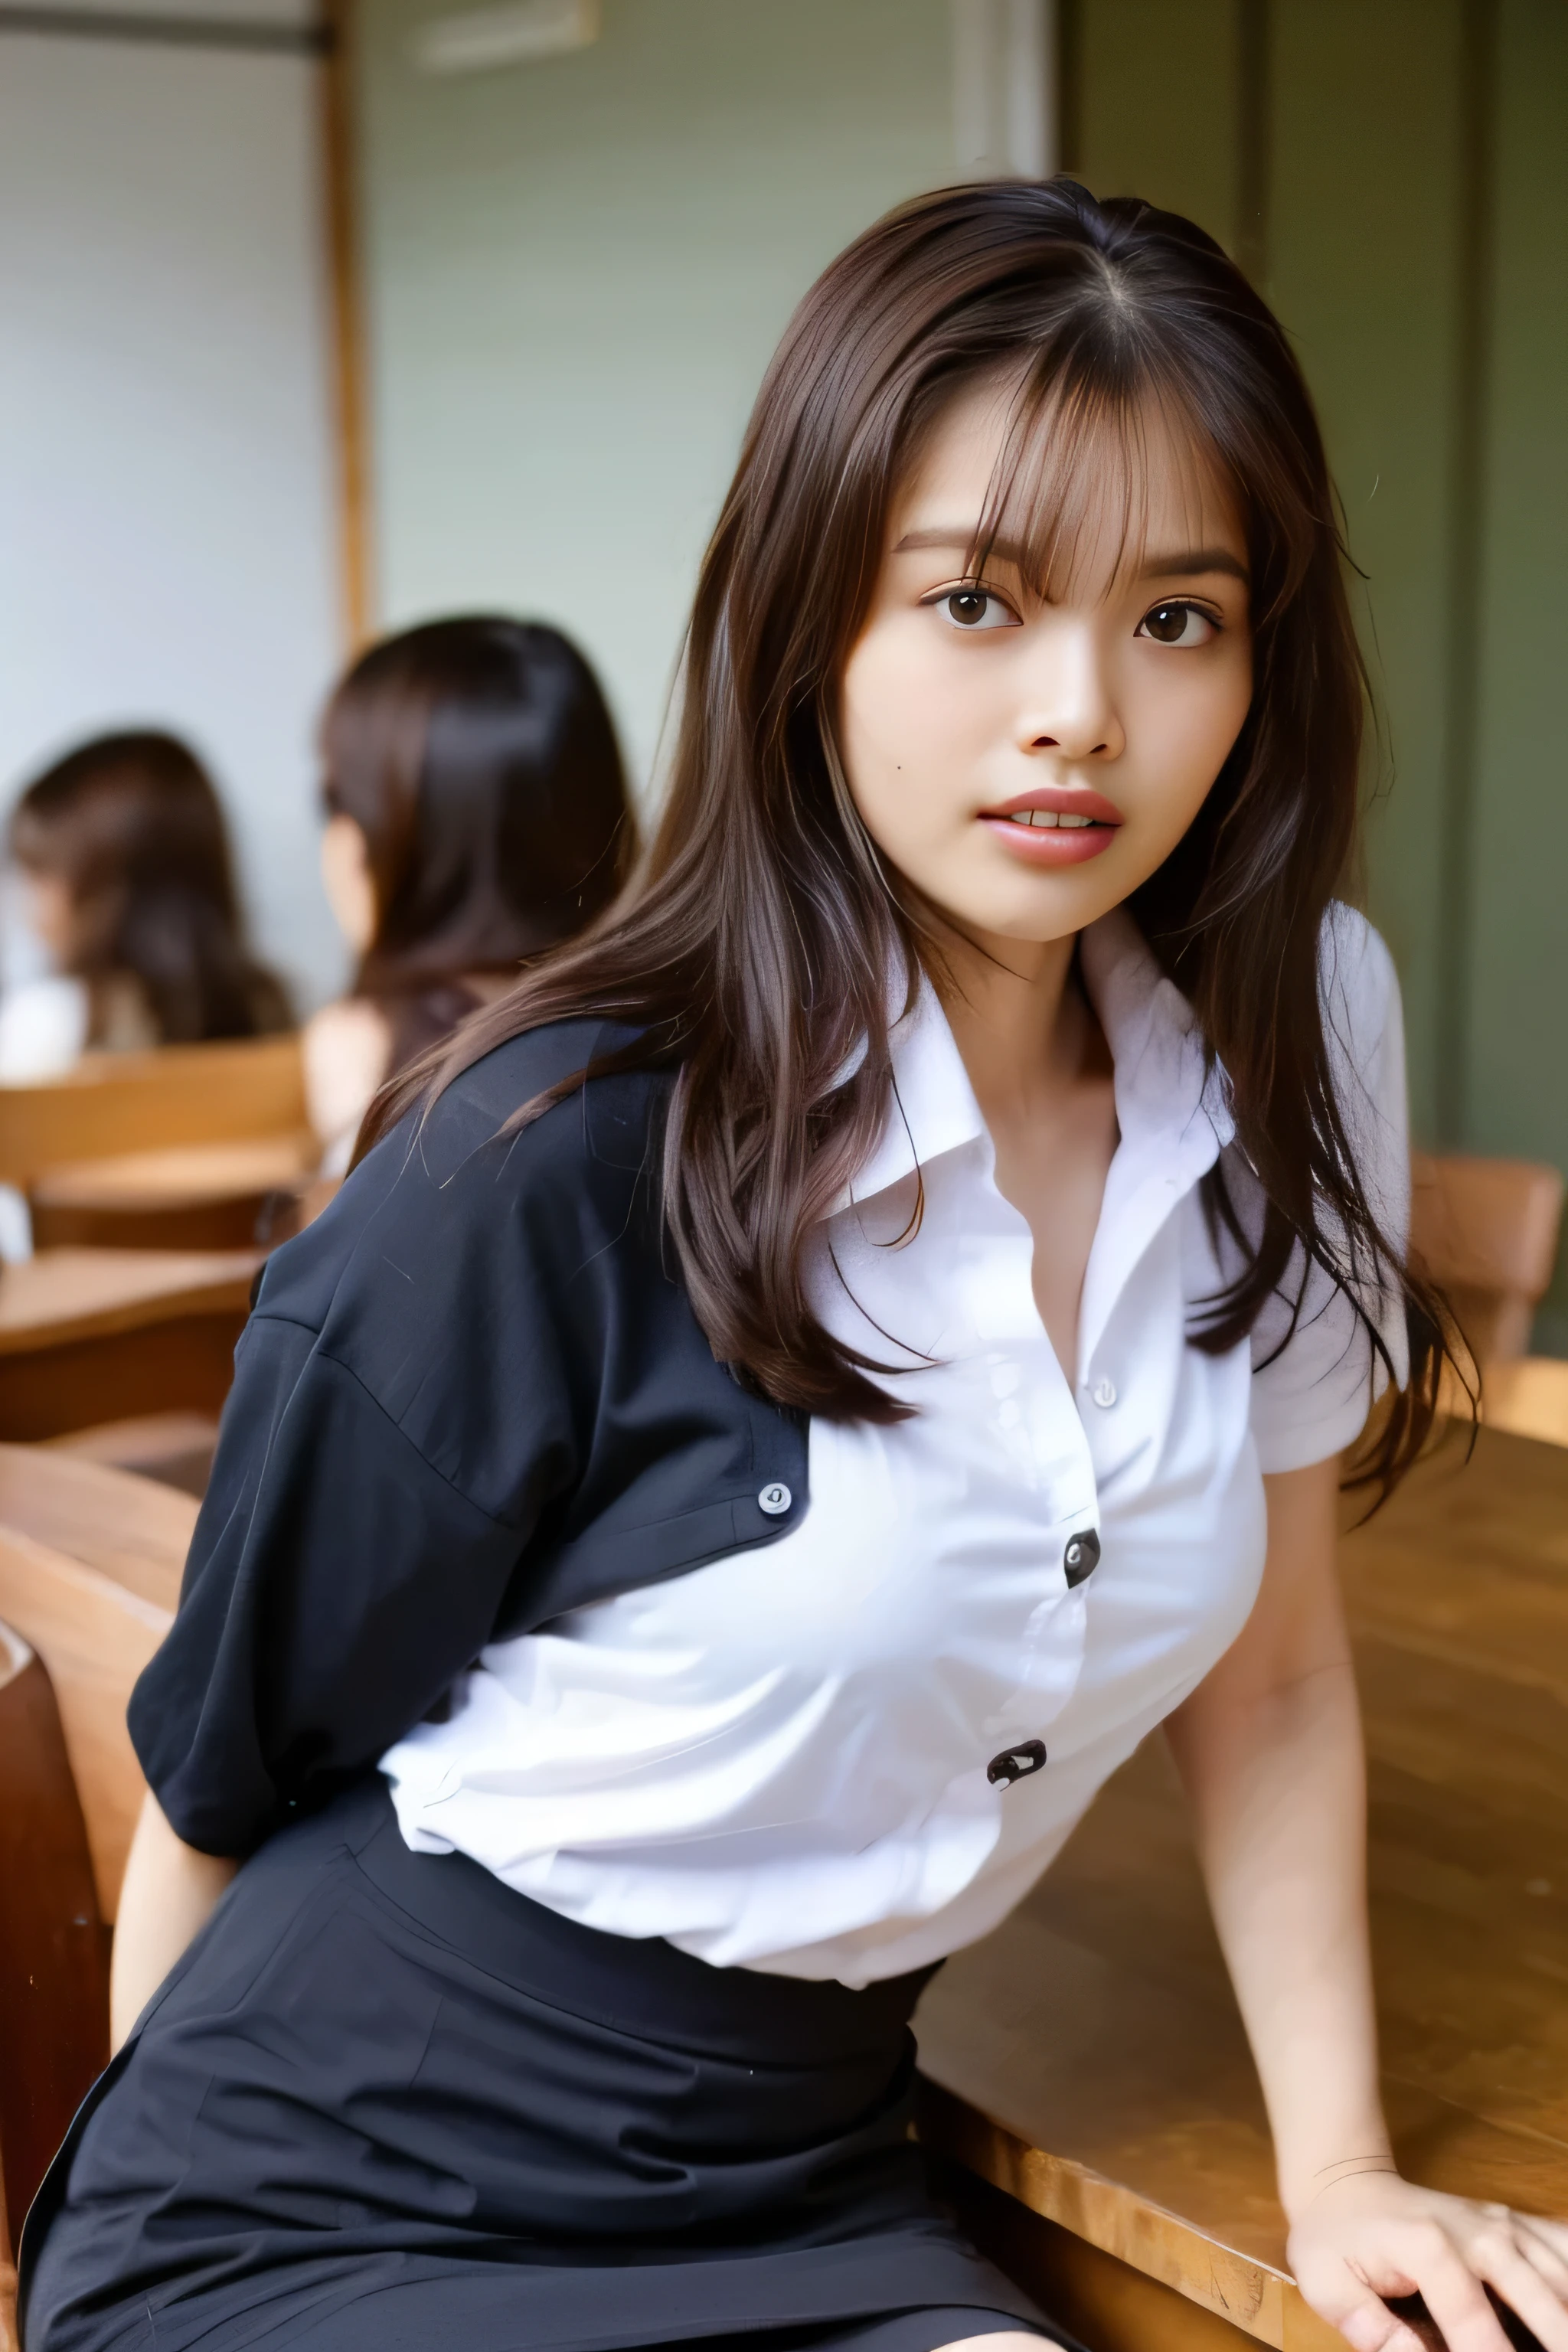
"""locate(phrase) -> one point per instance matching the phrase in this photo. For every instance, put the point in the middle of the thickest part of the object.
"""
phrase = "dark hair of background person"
(132, 826)
(478, 758)
(754, 956)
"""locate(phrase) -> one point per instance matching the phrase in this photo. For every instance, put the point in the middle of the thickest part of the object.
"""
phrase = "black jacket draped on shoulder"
(472, 1395)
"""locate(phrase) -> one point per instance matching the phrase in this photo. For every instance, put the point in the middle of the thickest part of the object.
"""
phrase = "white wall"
(577, 269)
(168, 520)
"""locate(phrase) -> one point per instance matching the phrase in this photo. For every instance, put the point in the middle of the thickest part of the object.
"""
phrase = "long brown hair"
(132, 825)
(753, 954)
(478, 758)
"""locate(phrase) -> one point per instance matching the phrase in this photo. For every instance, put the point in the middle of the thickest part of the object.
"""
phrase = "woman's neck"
(1022, 1030)
(1041, 1076)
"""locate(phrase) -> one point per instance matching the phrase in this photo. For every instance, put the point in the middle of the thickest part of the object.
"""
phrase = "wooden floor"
(1101, 2071)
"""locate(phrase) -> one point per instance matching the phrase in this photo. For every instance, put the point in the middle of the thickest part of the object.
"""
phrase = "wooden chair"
(95, 1627)
(91, 1560)
(1529, 1398)
(7, 2273)
(1486, 1231)
(54, 1951)
(111, 1104)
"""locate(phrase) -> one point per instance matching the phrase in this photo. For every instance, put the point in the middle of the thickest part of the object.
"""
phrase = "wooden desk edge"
(178, 1175)
(1253, 2296)
(225, 1290)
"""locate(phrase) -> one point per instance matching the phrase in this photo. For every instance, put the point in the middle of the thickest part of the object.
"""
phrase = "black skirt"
(386, 2102)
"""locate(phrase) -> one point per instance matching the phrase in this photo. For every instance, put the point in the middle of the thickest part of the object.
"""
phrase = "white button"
(1104, 1391)
(775, 1499)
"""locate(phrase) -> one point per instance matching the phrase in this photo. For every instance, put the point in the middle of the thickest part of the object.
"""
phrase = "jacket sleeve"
(403, 1418)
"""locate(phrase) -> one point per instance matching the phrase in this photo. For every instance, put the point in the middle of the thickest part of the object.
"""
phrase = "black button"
(1017, 1763)
(1081, 1557)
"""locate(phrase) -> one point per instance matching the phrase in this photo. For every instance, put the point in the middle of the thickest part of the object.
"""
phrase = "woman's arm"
(1269, 1748)
(167, 1898)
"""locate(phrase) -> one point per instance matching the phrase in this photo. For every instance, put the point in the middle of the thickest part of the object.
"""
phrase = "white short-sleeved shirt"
(43, 1028)
(795, 1759)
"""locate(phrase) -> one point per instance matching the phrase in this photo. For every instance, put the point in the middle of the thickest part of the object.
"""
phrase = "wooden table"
(90, 1335)
(193, 1196)
(1088, 2062)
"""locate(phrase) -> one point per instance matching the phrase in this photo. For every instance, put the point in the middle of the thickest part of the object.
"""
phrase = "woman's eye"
(975, 608)
(1177, 625)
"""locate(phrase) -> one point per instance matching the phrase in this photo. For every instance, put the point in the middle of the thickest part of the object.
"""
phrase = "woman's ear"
(347, 881)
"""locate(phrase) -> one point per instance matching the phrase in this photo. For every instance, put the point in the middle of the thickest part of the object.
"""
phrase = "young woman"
(797, 1393)
(477, 813)
(130, 886)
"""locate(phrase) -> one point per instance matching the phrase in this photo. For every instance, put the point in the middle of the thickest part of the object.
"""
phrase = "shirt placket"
(1047, 1462)
(1149, 1179)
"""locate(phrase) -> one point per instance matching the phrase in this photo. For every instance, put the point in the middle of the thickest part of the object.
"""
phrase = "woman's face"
(1026, 761)
(50, 913)
(346, 879)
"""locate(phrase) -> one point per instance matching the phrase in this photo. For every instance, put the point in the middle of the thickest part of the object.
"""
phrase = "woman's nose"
(1069, 706)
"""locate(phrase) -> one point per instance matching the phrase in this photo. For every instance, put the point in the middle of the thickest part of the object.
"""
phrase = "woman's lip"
(1041, 845)
(1066, 800)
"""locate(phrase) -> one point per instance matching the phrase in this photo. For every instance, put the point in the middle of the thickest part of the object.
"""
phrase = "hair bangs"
(1069, 504)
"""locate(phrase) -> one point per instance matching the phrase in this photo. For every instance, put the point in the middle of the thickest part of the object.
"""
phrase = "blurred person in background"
(128, 887)
(477, 815)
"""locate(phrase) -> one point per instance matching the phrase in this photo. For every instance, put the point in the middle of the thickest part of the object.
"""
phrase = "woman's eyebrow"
(1178, 565)
(1194, 559)
(953, 536)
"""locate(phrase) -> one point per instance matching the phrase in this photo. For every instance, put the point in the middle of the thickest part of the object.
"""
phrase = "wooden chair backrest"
(54, 1952)
(7, 2279)
(1486, 1231)
(116, 1103)
(13, 1656)
(94, 1635)
(1529, 1397)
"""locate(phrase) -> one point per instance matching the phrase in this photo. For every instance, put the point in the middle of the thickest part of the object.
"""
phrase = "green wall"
(1394, 172)
(576, 271)
(1516, 1060)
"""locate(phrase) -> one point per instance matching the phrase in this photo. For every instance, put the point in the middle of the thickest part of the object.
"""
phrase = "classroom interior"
(323, 326)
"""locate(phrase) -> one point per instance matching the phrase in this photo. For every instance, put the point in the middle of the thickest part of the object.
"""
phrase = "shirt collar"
(1167, 1091)
(1166, 1098)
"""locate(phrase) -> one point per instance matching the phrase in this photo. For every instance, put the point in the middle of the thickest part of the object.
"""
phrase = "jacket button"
(1104, 1393)
(1081, 1557)
(775, 1499)
(1017, 1763)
